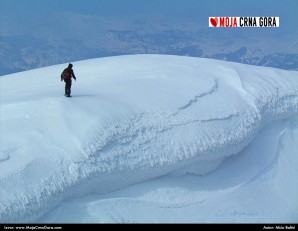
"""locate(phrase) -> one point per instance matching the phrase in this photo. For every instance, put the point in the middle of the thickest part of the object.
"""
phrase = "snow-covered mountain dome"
(140, 117)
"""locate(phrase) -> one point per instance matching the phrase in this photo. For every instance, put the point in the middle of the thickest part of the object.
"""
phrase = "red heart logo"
(214, 21)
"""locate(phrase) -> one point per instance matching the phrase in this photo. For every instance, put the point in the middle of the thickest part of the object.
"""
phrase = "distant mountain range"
(56, 40)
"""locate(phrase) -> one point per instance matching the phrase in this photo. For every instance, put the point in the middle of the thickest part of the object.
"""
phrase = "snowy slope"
(136, 118)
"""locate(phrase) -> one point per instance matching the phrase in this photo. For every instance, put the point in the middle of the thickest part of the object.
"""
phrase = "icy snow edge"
(213, 110)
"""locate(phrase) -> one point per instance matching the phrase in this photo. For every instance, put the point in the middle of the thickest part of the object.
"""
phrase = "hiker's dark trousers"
(68, 86)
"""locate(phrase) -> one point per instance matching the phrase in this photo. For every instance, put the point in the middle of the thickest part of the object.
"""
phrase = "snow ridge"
(218, 118)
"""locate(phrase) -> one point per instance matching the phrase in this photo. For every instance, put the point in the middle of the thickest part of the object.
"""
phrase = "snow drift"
(131, 119)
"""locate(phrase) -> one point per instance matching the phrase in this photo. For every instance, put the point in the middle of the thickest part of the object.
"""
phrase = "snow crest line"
(196, 98)
(131, 137)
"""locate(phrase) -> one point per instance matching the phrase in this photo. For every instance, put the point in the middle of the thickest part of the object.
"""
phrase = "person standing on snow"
(67, 75)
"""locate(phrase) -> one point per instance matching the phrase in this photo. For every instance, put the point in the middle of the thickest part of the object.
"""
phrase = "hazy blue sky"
(36, 27)
(192, 9)
(284, 8)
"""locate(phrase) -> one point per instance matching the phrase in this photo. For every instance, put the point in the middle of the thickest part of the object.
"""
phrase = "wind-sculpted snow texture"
(131, 119)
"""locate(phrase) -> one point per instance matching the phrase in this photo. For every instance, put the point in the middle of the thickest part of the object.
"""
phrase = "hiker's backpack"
(65, 74)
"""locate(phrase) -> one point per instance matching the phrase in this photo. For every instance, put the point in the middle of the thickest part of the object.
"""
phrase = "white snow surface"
(150, 138)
